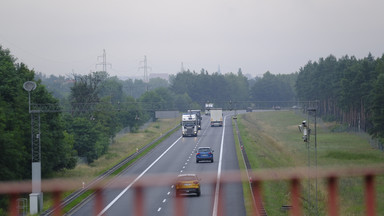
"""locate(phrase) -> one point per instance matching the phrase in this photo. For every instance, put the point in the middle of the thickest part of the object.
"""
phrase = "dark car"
(204, 154)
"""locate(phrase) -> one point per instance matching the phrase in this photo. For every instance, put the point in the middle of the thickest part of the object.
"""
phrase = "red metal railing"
(294, 176)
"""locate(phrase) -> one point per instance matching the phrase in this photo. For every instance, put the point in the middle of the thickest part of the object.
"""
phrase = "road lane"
(178, 156)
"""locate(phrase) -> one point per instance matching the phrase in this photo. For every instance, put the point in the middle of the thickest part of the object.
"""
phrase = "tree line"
(348, 90)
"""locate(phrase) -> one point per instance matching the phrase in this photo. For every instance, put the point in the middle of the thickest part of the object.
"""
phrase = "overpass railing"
(295, 176)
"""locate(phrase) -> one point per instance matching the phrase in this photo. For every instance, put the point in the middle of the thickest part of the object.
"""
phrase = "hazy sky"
(280, 36)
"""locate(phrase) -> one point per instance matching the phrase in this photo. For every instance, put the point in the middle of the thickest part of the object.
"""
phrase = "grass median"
(272, 140)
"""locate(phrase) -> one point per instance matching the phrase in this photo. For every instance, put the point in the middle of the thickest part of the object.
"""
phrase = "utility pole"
(103, 62)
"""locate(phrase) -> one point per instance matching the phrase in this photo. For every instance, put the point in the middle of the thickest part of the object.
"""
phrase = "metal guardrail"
(258, 202)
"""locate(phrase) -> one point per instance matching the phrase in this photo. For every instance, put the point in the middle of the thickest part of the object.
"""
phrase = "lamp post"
(36, 197)
(314, 110)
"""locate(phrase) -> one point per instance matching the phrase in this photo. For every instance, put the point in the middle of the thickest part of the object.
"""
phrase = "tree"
(15, 128)
(272, 88)
(377, 108)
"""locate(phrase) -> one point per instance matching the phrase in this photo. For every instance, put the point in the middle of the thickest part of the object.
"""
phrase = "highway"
(174, 156)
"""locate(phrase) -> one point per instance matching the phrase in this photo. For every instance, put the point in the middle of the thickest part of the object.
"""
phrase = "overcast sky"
(280, 36)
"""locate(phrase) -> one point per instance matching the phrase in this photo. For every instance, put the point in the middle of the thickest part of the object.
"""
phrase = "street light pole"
(36, 197)
(314, 110)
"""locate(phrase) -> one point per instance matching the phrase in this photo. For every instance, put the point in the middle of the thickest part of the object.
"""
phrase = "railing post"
(98, 201)
(56, 203)
(295, 197)
(257, 205)
(370, 201)
(332, 196)
(179, 205)
(13, 211)
(220, 204)
(139, 201)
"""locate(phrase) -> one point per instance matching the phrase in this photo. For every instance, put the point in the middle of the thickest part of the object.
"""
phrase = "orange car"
(187, 183)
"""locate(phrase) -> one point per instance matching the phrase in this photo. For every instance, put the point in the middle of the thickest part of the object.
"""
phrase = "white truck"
(198, 116)
(208, 107)
(216, 117)
(189, 125)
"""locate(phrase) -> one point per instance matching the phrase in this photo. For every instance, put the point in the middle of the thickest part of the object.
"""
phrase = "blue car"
(204, 154)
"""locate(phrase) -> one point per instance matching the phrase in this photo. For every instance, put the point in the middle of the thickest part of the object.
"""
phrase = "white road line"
(164, 200)
(159, 209)
(216, 202)
(136, 179)
(169, 192)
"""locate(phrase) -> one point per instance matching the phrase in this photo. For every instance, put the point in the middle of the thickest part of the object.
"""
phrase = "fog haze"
(280, 36)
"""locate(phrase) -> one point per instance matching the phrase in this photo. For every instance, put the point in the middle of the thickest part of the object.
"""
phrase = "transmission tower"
(145, 68)
(103, 62)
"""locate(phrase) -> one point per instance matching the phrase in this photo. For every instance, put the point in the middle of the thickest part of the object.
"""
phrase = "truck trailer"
(198, 116)
(216, 117)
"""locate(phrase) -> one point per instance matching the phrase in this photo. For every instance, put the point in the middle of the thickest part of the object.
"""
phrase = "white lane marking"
(185, 163)
(164, 200)
(159, 209)
(181, 171)
(172, 186)
(183, 167)
(169, 192)
(136, 179)
(216, 202)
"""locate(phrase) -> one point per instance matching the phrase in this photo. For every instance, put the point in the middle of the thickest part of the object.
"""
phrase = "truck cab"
(189, 125)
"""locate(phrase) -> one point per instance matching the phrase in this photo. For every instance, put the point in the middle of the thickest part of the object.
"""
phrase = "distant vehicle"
(216, 117)
(208, 107)
(189, 125)
(204, 154)
(198, 116)
(276, 107)
(187, 183)
(296, 107)
(249, 109)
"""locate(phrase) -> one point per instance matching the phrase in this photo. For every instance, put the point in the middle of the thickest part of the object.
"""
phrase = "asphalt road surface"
(174, 156)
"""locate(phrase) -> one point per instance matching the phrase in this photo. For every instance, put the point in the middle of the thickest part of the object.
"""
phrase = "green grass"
(77, 201)
(272, 140)
(248, 201)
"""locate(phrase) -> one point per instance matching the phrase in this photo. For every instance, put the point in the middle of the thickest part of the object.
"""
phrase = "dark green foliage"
(15, 125)
(377, 117)
(135, 88)
(217, 88)
(273, 88)
(349, 90)
(59, 87)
